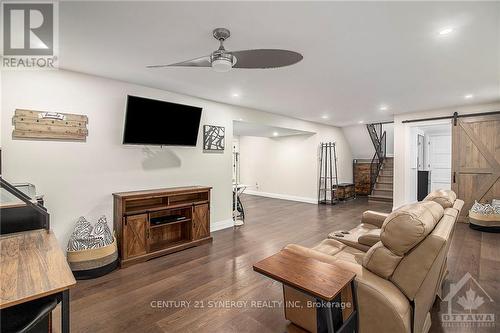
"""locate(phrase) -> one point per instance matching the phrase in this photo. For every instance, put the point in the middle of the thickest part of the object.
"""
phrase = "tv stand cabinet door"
(134, 235)
(201, 221)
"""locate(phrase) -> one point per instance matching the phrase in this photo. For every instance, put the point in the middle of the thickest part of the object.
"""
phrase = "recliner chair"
(398, 278)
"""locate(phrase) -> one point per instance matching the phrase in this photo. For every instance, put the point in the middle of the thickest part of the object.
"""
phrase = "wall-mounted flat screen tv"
(154, 122)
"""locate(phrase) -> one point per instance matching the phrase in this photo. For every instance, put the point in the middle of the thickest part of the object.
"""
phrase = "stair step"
(385, 179)
(383, 192)
(379, 198)
(383, 186)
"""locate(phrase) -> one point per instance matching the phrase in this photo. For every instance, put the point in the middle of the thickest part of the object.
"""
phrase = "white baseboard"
(219, 225)
(282, 196)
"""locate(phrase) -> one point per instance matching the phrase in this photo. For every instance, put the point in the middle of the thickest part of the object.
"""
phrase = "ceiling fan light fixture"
(222, 65)
(222, 61)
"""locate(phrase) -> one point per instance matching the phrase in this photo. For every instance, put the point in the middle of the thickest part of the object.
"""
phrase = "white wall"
(389, 134)
(78, 178)
(287, 167)
(402, 151)
(360, 143)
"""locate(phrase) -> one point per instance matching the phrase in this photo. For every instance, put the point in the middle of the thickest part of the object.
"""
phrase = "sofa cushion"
(370, 237)
(101, 232)
(351, 254)
(332, 249)
(414, 267)
(327, 249)
(446, 198)
(409, 225)
(381, 261)
(80, 235)
(329, 246)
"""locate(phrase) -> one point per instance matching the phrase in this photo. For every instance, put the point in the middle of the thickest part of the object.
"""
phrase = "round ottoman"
(92, 263)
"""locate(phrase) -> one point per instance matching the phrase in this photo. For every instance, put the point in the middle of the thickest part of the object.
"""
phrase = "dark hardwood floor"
(212, 288)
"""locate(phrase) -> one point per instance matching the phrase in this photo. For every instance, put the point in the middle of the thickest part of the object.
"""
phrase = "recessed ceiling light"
(325, 116)
(275, 133)
(236, 95)
(360, 122)
(469, 96)
(383, 108)
(445, 31)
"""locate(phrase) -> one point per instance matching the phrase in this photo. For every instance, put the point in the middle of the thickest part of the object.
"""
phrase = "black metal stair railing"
(379, 140)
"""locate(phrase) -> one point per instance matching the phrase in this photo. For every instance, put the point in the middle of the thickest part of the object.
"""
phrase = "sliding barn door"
(476, 160)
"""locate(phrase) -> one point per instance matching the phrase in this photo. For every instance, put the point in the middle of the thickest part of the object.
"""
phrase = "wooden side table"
(314, 292)
(30, 256)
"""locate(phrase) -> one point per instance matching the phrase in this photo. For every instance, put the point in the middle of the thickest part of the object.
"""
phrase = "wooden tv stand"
(136, 212)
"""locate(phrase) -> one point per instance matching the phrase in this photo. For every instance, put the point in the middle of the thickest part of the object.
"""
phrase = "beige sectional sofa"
(398, 278)
(367, 233)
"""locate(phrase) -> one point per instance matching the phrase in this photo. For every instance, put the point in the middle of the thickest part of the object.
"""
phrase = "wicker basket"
(484, 222)
(92, 263)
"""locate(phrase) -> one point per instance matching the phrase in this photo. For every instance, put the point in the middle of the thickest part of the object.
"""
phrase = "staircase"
(381, 166)
(382, 190)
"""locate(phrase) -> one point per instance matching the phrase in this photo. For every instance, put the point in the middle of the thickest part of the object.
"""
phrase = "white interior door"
(440, 161)
(420, 152)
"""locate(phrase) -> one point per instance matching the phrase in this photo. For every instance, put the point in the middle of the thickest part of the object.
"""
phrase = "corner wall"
(78, 178)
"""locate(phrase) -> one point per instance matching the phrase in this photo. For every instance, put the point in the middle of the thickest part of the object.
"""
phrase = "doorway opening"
(430, 158)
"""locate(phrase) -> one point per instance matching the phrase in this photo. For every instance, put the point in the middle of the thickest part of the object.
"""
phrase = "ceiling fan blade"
(197, 62)
(265, 58)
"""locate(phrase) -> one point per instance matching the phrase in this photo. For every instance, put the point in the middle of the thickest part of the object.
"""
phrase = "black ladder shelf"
(328, 181)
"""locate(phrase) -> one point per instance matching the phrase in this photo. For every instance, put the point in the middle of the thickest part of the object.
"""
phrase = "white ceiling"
(357, 55)
(243, 128)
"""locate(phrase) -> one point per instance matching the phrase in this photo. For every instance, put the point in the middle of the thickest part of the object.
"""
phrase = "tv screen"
(153, 122)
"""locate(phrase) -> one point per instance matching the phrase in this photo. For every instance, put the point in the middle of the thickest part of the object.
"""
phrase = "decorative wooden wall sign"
(49, 125)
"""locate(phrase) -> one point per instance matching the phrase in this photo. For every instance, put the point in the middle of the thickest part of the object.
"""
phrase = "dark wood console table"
(153, 223)
(314, 292)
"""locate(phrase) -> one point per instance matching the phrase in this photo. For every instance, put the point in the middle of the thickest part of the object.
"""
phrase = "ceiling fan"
(222, 60)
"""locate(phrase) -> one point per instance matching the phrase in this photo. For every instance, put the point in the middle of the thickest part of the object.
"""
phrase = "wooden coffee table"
(327, 284)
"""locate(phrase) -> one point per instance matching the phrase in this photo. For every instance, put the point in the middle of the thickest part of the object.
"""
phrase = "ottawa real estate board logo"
(469, 305)
(29, 35)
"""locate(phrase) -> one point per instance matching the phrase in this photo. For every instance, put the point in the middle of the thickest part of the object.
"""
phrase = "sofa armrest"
(458, 205)
(382, 306)
(374, 218)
